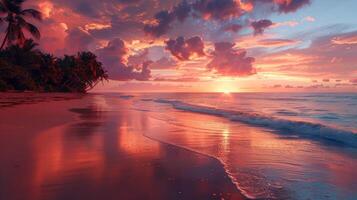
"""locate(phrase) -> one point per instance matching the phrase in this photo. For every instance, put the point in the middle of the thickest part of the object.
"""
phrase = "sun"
(226, 92)
(225, 86)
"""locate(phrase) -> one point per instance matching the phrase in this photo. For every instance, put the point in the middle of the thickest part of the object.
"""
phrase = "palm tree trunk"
(5, 40)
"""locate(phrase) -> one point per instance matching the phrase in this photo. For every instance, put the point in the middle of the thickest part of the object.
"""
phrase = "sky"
(209, 45)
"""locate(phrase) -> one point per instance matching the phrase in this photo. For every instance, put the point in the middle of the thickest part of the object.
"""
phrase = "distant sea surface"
(272, 145)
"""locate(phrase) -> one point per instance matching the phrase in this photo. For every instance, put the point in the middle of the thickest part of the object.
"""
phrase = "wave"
(126, 96)
(231, 176)
(300, 128)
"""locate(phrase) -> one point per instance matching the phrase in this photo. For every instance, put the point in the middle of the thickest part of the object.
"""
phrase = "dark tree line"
(27, 68)
(23, 67)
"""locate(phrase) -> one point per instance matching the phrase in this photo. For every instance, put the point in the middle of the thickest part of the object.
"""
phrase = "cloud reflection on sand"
(103, 155)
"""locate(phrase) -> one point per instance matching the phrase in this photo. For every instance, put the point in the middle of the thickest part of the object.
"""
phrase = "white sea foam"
(300, 128)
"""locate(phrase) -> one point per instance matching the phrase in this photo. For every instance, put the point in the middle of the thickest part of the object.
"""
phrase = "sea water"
(272, 145)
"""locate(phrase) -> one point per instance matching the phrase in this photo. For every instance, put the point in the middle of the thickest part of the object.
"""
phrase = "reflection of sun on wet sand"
(94, 148)
(129, 142)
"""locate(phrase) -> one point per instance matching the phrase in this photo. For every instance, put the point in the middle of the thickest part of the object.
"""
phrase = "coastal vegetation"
(23, 67)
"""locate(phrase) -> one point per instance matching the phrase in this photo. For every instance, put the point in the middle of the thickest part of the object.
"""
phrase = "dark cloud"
(222, 10)
(162, 24)
(116, 29)
(129, 1)
(184, 49)
(217, 9)
(231, 62)
(287, 6)
(120, 8)
(182, 11)
(260, 25)
(83, 7)
(125, 16)
(282, 6)
(115, 51)
(113, 58)
(164, 19)
(145, 73)
(206, 9)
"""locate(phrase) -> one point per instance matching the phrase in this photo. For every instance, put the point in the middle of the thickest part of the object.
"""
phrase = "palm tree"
(15, 18)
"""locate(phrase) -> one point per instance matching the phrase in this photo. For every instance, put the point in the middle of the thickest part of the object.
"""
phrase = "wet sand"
(83, 147)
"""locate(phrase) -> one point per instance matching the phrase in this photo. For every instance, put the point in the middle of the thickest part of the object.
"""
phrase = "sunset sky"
(209, 45)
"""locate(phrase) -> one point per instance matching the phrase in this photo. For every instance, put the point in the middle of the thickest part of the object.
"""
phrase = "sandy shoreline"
(81, 147)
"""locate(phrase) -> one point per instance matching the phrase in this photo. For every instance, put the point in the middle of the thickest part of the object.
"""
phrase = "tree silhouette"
(27, 68)
(16, 21)
(24, 67)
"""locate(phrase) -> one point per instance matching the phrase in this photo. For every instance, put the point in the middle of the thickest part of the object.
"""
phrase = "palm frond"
(29, 27)
(16, 21)
(33, 30)
(32, 13)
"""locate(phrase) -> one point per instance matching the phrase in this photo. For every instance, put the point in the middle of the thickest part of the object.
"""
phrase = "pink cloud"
(228, 61)
(309, 19)
(76, 40)
(183, 79)
(164, 63)
(113, 58)
(287, 23)
(346, 39)
(276, 42)
(314, 60)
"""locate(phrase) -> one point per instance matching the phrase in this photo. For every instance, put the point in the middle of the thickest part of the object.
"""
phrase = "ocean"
(272, 145)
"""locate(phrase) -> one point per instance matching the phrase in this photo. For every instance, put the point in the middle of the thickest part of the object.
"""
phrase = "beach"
(178, 100)
(177, 146)
(71, 146)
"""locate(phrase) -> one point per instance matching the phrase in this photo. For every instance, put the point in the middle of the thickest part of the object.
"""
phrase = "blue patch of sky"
(332, 17)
